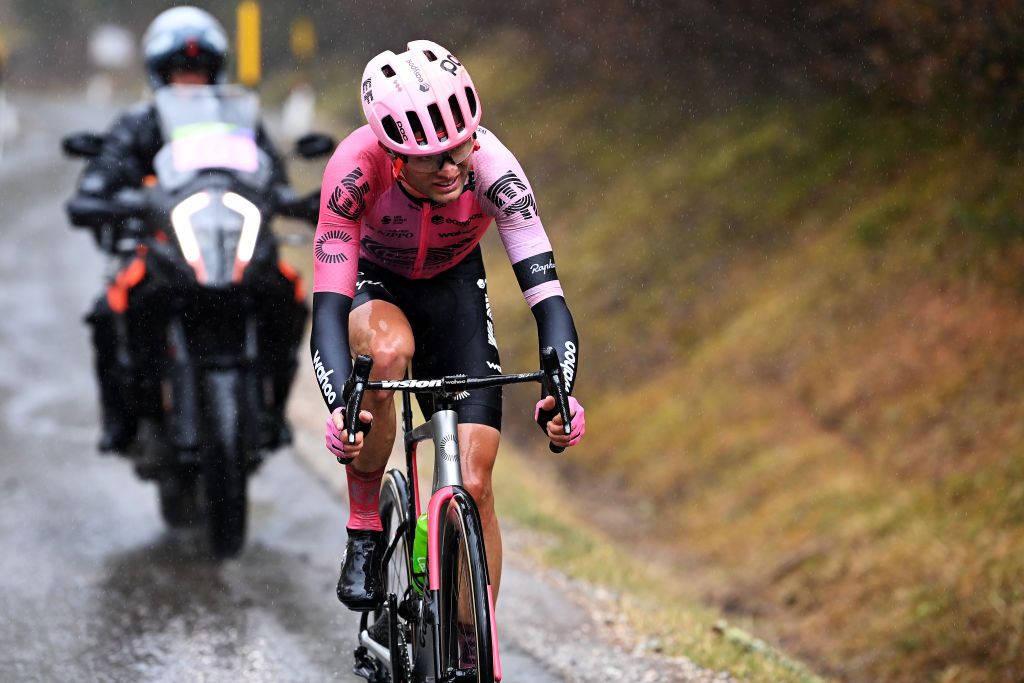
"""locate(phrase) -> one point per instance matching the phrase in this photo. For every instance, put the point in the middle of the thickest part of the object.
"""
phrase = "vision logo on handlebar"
(410, 384)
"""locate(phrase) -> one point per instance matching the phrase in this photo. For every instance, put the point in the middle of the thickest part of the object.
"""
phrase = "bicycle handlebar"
(550, 375)
(554, 383)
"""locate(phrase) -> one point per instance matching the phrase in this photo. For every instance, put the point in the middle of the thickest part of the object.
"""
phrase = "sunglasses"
(428, 163)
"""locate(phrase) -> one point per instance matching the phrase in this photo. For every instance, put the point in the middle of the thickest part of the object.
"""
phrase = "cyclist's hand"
(337, 437)
(551, 422)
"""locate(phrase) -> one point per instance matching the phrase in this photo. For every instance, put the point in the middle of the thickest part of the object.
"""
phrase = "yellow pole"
(248, 39)
(303, 39)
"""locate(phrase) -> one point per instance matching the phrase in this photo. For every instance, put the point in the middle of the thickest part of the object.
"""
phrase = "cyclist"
(398, 275)
(182, 46)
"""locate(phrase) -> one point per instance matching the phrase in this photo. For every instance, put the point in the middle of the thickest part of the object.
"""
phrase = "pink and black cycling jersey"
(367, 216)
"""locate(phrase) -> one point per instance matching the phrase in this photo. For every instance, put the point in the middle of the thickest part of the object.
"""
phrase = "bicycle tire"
(394, 514)
(464, 595)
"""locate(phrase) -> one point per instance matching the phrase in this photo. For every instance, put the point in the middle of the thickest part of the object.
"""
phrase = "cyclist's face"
(441, 177)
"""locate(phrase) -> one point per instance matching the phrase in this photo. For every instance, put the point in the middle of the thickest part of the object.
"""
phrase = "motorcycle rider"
(183, 45)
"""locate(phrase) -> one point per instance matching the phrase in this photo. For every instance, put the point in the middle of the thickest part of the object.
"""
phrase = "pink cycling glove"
(335, 444)
(576, 412)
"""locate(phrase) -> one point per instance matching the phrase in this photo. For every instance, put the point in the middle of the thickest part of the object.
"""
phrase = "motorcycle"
(204, 225)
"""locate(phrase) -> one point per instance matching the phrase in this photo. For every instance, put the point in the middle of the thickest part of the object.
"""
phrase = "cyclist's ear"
(397, 160)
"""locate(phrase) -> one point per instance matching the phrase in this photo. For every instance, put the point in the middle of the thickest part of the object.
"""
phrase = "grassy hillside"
(803, 343)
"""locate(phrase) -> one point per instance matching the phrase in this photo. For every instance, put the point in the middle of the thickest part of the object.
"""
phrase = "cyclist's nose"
(448, 164)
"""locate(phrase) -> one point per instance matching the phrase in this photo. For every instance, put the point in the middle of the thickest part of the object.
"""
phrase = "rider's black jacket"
(130, 146)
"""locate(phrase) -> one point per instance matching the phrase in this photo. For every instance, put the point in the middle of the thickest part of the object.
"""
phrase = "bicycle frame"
(442, 429)
(447, 485)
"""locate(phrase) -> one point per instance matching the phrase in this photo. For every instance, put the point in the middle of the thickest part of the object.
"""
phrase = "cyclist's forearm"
(328, 345)
(555, 328)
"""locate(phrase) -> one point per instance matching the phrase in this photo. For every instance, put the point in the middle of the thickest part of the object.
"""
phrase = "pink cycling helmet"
(421, 101)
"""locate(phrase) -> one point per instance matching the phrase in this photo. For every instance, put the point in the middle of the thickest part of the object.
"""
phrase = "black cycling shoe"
(361, 585)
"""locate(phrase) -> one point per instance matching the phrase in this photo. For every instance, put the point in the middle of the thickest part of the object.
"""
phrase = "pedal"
(365, 667)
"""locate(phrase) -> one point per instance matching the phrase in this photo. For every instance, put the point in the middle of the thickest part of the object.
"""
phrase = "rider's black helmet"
(184, 38)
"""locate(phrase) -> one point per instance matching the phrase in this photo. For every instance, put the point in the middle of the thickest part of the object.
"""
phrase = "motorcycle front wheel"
(225, 463)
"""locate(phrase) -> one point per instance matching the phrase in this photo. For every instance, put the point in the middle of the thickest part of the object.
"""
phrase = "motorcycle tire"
(178, 500)
(225, 465)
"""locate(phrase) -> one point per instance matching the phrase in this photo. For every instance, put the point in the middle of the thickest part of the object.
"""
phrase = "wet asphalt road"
(92, 585)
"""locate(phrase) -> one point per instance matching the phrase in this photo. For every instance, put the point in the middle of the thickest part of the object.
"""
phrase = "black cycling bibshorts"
(451, 322)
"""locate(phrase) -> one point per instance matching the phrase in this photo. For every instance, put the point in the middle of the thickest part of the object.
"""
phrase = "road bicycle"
(437, 622)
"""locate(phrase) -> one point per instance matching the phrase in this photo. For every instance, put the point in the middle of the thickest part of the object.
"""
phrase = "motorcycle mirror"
(313, 145)
(85, 145)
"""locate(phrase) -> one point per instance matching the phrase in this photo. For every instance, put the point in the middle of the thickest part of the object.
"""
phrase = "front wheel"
(465, 608)
(394, 515)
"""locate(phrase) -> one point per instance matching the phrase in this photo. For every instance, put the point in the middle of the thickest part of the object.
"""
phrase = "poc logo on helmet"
(450, 64)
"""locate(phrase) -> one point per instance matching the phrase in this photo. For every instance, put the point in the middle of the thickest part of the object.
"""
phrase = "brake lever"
(554, 384)
(355, 385)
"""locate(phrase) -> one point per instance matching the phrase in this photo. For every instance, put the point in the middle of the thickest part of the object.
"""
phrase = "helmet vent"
(417, 128)
(435, 118)
(391, 129)
(471, 98)
(453, 104)
(387, 70)
(430, 55)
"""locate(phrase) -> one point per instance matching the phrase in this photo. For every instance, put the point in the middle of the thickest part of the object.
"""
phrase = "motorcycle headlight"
(251, 220)
(217, 234)
(181, 221)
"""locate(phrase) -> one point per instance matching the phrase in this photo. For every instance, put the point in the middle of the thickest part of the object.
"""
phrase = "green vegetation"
(811, 308)
(652, 598)
(816, 304)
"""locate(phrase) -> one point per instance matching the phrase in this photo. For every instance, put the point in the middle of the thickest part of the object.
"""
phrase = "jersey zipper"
(421, 254)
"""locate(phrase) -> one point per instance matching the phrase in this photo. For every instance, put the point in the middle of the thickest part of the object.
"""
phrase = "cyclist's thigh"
(378, 326)
(454, 334)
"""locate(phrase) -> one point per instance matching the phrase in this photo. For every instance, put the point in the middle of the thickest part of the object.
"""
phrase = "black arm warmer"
(328, 345)
(555, 329)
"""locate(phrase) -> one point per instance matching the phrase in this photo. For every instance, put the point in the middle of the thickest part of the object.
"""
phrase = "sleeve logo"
(512, 196)
(349, 198)
(323, 378)
(329, 247)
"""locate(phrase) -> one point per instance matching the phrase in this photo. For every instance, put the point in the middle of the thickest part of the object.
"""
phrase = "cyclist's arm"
(343, 197)
(538, 279)
(506, 193)
(328, 345)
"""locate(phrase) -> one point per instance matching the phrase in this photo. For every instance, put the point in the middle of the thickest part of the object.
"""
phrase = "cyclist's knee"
(479, 486)
(391, 357)
(479, 445)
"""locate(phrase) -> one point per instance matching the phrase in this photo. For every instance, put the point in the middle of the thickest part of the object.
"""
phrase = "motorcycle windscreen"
(209, 127)
(216, 232)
